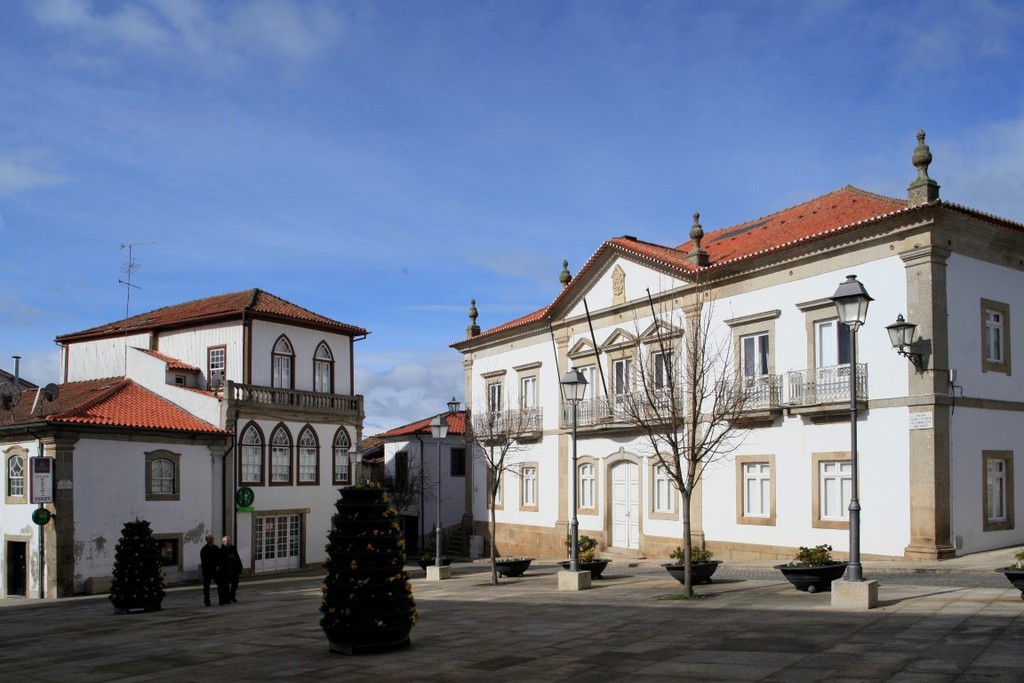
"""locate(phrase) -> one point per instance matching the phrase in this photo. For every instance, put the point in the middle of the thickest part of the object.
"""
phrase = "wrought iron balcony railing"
(623, 409)
(503, 423)
(759, 393)
(829, 384)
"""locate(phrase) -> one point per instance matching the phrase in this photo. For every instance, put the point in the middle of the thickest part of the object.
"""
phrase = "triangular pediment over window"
(618, 339)
(583, 348)
(660, 330)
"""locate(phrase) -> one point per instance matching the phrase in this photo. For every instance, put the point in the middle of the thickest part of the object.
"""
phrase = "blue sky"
(383, 163)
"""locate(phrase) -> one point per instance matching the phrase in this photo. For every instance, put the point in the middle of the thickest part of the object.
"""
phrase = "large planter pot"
(595, 567)
(445, 561)
(813, 579)
(125, 608)
(700, 572)
(511, 568)
(1014, 576)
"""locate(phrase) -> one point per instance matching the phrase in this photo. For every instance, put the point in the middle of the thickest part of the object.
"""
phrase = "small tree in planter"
(701, 565)
(589, 558)
(138, 577)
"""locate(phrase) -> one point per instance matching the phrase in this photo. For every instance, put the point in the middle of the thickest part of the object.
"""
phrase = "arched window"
(342, 468)
(280, 456)
(284, 359)
(163, 475)
(16, 476)
(252, 455)
(323, 369)
(309, 460)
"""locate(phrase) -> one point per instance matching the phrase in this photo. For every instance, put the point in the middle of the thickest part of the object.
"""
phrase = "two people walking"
(221, 566)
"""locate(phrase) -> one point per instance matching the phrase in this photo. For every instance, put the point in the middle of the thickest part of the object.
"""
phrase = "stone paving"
(953, 625)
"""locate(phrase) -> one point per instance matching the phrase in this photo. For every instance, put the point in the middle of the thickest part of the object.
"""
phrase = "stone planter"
(1014, 576)
(700, 572)
(813, 579)
(595, 567)
(512, 568)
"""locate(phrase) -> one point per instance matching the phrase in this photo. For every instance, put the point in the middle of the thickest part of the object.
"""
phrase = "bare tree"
(690, 416)
(493, 437)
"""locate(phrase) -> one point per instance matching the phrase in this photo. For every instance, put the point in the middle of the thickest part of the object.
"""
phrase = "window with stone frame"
(588, 486)
(755, 489)
(283, 364)
(251, 460)
(528, 487)
(280, 456)
(309, 457)
(833, 487)
(458, 461)
(323, 369)
(997, 493)
(163, 476)
(995, 337)
(341, 468)
(17, 461)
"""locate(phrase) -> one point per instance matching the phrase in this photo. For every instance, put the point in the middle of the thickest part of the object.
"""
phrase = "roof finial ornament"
(697, 255)
(473, 329)
(924, 189)
(565, 276)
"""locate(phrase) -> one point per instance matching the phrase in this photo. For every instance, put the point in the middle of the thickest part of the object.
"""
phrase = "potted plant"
(512, 566)
(138, 577)
(588, 558)
(701, 565)
(1015, 572)
(367, 598)
(813, 569)
(427, 560)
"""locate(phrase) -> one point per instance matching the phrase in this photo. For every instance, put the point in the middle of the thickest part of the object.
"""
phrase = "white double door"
(277, 540)
(626, 506)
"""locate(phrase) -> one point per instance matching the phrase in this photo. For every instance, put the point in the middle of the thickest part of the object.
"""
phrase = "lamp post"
(438, 430)
(574, 386)
(851, 300)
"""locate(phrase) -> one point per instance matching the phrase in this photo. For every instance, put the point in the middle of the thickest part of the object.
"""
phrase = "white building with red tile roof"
(167, 416)
(937, 443)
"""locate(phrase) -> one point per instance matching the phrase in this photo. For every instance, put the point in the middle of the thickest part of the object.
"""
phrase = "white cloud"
(408, 390)
(983, 169)
(21, 172)
(215, 35)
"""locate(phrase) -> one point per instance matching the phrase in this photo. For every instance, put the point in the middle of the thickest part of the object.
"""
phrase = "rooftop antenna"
(130, 266)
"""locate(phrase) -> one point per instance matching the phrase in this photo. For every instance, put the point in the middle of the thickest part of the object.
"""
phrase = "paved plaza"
(939, 622)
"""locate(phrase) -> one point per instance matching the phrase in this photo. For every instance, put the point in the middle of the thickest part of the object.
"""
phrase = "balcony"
(329, 407)
(825, 390)
(620, 410)
(759, 399)
(525, 423)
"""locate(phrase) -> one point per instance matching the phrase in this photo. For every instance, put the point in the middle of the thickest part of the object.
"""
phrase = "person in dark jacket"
(209, 562)
(231, 569)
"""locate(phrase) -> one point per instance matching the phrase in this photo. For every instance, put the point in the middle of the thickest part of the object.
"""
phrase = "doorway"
(626, 506)
(17, 567)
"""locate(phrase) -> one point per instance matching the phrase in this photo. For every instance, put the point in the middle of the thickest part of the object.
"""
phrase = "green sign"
(244, 497)
(41, 516)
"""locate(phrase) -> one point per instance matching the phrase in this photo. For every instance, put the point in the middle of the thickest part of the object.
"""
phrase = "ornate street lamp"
(438, 430)
(574, 386)
(901, 334)
(851, 300)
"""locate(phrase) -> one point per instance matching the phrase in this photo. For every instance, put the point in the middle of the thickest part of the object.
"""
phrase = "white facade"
(288, 420)
(939, 470)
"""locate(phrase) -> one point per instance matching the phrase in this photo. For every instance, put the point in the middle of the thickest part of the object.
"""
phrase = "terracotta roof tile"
(253, 302)
(114, 402)
(172, 363)
(456, 426)
(845, 208)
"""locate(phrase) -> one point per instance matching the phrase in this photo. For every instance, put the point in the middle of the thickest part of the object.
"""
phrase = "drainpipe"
(423, 532)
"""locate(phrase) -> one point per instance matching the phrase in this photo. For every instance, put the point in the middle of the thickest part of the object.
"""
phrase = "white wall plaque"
(922, 420)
